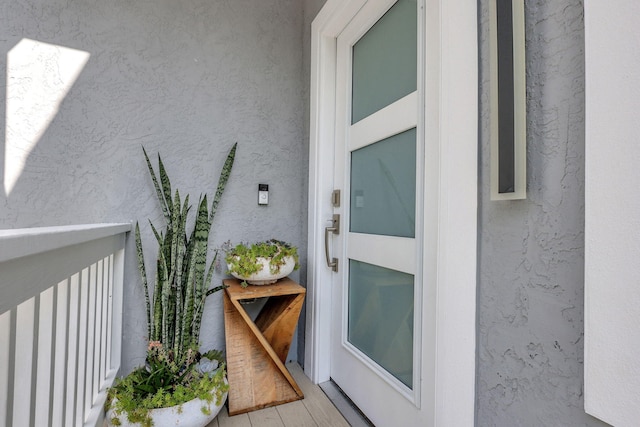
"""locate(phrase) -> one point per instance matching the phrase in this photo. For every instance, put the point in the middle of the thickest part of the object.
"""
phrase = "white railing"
(60, 323)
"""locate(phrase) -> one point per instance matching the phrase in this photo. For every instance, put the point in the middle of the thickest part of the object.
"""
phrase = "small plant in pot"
(262, 263)
(178, 385)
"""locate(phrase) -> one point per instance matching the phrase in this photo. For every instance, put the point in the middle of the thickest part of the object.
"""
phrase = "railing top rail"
(22, 242)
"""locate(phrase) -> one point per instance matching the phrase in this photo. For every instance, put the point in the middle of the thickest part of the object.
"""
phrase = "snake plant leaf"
(222, 181)
(207, 281)
(171, 322)
(191, 241)
(182, 236)
(159, 237)
(166, 184)
(201, 236)
(175, 236)
(179, 294)
(165, 289)
(188, 275)
(157, 304)
(168, 239)
(188, 298)
(185, 212)
(163, 203)
(143, 275)
(216, 289)
(197, 315)
(202, 296)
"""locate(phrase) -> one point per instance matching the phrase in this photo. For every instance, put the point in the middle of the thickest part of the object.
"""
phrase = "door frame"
(451, 117)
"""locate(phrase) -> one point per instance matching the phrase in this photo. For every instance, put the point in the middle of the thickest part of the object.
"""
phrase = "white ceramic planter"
(264, 276)
(189, 414)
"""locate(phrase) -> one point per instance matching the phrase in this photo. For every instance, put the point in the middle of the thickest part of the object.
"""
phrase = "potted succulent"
(178, 385)
(262, 263)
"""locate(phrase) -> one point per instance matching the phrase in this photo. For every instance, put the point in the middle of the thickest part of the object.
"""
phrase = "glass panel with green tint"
(385, 61)
(381, 317)
(383, 187)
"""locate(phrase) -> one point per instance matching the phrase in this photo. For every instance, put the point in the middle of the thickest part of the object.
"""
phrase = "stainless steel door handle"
(332, 263)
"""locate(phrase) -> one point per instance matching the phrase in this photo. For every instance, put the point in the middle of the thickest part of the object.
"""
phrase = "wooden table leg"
(255, 369)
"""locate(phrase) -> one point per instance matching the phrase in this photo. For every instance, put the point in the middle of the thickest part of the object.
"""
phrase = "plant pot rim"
(175, 415)
(264, 276)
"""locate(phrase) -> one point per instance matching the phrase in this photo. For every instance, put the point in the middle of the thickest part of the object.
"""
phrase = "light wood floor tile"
(317, 403)
(224, 420)
(295, 414)
(267, 417)
(315, 410)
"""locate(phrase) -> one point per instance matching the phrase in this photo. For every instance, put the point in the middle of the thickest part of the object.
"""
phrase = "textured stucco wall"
(187, 79)
(531, 252)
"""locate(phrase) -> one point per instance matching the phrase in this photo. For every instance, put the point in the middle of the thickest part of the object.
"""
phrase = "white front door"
(395, 325)
(376, 295)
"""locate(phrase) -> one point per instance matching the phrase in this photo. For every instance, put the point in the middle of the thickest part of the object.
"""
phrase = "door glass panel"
(385, 61)
(383, 187)
(381, 317)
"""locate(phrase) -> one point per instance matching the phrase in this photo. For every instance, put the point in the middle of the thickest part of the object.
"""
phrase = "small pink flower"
(154, 344)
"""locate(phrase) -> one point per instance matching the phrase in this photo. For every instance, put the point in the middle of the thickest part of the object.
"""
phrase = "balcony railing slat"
(23, 363)
(82, 342)
(98, 332)
(51, 372)
(34, 357)
(107, 367)
(91, 324)
(6, 365)
(105, 316)
(72, 344)
(44, 365)
(60, 333)
(116, 313)
(60, 323)
(12, 367)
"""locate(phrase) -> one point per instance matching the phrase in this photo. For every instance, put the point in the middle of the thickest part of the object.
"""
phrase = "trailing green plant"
(175, 302)
(162, 383)
(244, 259)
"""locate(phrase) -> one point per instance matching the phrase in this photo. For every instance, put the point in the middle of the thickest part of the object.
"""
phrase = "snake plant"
(182, 279)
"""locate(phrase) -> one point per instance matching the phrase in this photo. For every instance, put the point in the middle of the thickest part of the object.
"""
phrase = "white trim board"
(612, 209)
(451, 115)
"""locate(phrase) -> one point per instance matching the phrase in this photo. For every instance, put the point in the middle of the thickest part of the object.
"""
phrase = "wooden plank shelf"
(257, 351)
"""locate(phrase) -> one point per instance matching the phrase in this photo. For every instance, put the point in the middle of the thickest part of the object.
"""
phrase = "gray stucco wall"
(531, 252)
(186, 79)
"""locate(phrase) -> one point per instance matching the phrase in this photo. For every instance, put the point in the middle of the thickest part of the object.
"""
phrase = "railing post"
(116, 325)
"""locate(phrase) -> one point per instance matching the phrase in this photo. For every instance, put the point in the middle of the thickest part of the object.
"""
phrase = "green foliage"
(243, 259)
(174, 315)
(174, 306)
(162, 384)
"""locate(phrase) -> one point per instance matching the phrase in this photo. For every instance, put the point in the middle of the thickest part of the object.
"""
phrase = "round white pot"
(189, 414)
(264, 276)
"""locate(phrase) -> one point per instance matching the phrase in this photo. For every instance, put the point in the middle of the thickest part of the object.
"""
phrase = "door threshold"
(345, 406)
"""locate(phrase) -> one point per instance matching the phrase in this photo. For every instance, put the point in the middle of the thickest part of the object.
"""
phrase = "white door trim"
(451, 86)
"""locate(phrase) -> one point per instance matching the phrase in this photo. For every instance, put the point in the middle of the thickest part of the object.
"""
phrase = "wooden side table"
(257, 351)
